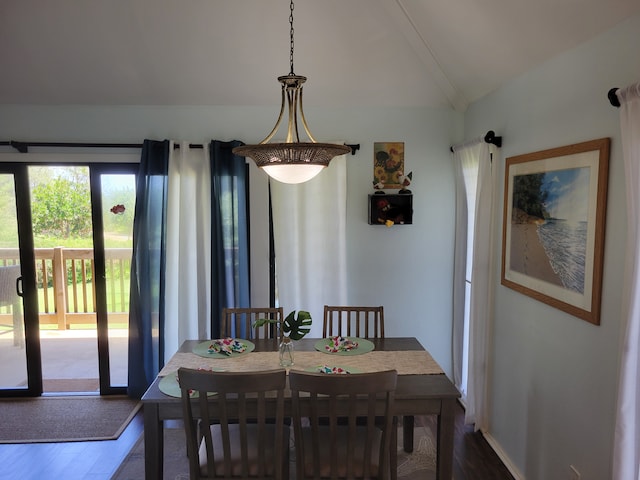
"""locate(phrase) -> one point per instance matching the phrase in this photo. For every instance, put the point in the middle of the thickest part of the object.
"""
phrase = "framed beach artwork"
(553, 226)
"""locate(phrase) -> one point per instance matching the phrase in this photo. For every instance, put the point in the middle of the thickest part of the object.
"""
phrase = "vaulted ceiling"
(438, 53)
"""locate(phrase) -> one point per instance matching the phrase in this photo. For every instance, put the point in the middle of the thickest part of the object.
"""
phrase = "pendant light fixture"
(292, 161)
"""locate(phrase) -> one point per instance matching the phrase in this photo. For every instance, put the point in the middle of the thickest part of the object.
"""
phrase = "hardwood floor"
(69, 460)
(473, 457)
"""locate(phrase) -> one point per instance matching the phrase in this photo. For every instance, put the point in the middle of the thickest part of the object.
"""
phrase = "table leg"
(407, 432)
(446, 427)
(153, 442)
(393, 458)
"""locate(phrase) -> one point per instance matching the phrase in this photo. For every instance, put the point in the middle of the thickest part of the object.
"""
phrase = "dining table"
(422, 386)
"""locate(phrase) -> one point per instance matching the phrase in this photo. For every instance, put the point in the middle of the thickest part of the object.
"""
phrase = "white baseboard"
(517, 475)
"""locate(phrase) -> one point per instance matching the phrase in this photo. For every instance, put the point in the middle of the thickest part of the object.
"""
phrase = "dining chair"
(235, 427)
(364, 322)
(236, 320)
(351, 449)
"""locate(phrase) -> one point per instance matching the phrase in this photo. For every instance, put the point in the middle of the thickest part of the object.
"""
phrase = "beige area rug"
(65, 419)
(84, 385)
(418, 465)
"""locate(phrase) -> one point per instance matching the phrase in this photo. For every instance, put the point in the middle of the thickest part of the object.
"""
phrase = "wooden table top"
(411, 388)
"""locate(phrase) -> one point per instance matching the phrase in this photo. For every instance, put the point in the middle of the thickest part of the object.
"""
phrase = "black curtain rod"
(490, 137)
(613, 98)
(23, 147)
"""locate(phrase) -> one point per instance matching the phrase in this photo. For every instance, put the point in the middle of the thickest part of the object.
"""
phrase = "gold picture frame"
(553, 226)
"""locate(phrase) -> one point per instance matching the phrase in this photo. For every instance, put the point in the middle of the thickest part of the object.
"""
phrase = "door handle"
(19, 290)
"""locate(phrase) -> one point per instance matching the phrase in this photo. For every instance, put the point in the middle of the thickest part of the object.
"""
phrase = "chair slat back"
(363, 322)
(330, 446)
(248, 402)
(236, 320)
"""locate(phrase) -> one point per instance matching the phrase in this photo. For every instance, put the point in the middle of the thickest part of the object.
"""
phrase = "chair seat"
(252, 446)
(341, 449)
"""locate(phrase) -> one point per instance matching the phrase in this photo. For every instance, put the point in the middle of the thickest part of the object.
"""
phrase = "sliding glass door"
(72, 227)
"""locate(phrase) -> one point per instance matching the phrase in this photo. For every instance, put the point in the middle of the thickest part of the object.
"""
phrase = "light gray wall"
(405, 268)
(554, 376)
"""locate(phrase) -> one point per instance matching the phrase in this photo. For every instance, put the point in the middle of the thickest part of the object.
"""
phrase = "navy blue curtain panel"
(146, 311)
(229, 232)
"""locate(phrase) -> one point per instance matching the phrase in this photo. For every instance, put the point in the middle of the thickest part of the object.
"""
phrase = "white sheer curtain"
(188, 261)
(309, 222)
(626, 461)
(472, 308)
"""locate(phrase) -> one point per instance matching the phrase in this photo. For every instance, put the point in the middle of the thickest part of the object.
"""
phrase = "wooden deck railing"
(65, 279)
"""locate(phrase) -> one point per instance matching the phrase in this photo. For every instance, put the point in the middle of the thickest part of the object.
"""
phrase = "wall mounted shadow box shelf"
(390, 209)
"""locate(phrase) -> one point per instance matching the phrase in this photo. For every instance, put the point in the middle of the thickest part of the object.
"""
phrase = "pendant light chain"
(291, 36)
(291, 161)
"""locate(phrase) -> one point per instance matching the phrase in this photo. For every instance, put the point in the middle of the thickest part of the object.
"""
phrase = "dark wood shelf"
(390, 207)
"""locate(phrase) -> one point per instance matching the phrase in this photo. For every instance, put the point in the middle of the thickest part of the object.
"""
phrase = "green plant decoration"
(295, 327)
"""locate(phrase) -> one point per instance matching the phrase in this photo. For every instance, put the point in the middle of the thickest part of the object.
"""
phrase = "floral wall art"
(388, 165)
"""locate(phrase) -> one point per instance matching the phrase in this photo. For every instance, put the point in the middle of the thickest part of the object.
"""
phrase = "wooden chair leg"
(407, 433)
(393, 458)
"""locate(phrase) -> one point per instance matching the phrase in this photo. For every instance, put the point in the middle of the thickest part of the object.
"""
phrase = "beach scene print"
(549, 221)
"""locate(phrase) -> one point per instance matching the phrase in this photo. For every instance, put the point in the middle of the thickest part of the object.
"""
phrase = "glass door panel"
(13, 357)
(65, 271)
(118, 202)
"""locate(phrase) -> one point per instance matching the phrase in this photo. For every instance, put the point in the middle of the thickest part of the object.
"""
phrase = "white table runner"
(413, 362)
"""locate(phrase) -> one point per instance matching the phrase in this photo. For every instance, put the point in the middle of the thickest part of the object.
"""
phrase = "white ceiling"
(439, 53)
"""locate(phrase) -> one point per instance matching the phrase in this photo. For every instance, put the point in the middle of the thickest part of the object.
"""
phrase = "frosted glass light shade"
(292, 173)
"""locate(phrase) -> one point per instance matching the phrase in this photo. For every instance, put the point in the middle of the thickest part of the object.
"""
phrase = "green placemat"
(364, 346)
(202, 349)
(328, 369)
(169, 386)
